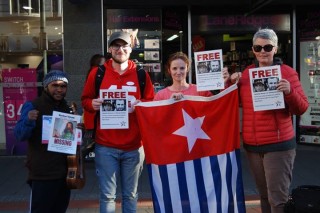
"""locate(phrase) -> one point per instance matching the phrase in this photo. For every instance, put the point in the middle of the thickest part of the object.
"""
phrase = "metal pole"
(189, 42)
(43, 35)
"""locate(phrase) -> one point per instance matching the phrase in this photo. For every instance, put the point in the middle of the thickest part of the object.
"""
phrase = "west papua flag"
(192, 153)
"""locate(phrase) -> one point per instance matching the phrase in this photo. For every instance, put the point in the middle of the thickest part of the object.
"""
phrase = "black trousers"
(49, 196)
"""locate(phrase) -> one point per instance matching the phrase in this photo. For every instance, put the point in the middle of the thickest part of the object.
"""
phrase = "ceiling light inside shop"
(318, 38)
(27, 7)
(56, 28)
(172, 37)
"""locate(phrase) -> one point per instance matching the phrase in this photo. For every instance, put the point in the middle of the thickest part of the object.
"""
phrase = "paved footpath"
(14, 192)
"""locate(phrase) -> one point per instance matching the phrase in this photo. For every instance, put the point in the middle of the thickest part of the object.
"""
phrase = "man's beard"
(118, 61)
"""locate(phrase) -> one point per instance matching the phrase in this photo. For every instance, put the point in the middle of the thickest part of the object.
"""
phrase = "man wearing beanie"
(47, 170)
(118, 152)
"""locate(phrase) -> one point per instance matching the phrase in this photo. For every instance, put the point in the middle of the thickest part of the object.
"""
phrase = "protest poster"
(264, 81)
(114, 109)
(63, 134)
(46, 127)
(209, 66)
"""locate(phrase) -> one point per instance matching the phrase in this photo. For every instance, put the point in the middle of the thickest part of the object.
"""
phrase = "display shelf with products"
(310, 80)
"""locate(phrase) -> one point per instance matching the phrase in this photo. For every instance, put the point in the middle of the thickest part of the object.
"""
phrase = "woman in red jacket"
(268, 135)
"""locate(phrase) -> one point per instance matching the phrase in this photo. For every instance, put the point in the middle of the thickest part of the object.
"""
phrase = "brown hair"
(175, 56)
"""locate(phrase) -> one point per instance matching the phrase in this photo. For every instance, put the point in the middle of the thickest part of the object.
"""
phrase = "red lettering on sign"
(264, 73)
(208, 56)
(108, 95)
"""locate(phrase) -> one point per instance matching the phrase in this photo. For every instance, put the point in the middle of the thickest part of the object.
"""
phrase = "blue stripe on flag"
(239, 188)
(202, 196)
(185, 202)
(165, 188)
(217, 180)
(229, 184)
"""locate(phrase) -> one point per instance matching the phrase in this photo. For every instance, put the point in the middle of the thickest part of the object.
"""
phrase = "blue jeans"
(111, 163)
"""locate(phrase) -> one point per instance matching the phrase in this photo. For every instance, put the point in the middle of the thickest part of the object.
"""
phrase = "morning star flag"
(192, 153)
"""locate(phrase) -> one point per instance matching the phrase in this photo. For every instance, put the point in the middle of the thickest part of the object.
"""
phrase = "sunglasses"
(267, 48)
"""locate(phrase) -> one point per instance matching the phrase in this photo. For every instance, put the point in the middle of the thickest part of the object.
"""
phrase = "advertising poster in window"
(152, 43)
(19, 86)
(114, 109)
(310, 81)
(208, 66)
(264, 81)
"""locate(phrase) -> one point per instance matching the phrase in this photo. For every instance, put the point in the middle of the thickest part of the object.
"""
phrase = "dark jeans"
(49, 196)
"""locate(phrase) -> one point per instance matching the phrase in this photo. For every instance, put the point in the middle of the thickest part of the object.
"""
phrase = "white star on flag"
(191, 129)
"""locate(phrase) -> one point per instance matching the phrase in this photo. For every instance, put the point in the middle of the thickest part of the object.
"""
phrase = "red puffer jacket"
(271, 126)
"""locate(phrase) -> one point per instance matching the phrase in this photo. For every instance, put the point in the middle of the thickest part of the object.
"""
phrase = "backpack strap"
(142, 80)
(99, 77)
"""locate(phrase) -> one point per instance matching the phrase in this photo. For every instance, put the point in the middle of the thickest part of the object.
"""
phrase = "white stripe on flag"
(222, 159)
(234, 164)
(174, 188)
(192, 186)
(158, 186)
(209, 184)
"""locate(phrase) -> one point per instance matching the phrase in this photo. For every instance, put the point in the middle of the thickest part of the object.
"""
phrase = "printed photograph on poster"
(151, 55)
(208, 65)
(63, 136)
(46, 127)
(264, 81)
(114, 109)
(151, 43)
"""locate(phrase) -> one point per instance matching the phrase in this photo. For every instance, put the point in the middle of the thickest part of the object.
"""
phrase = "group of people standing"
(268, 136)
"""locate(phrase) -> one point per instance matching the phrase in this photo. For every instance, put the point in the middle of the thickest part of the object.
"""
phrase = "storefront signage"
(234, 23)
(19, 86)
(122, 19)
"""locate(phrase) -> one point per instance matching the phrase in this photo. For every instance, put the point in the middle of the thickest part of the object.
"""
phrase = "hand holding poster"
(114, 109)
(208, 66)
(264, 81)
(63, 134)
